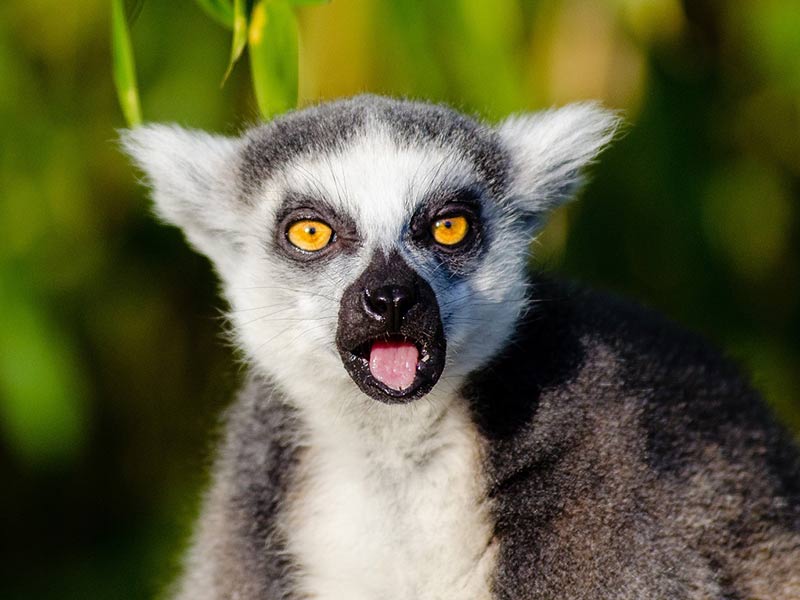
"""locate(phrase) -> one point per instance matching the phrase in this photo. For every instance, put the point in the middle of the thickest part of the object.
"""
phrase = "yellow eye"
(310, 236)
(451, 230)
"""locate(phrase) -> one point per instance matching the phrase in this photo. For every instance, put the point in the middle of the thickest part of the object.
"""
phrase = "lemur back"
(423, 418)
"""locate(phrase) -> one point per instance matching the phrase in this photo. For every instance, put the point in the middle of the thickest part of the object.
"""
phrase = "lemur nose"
(389, 303)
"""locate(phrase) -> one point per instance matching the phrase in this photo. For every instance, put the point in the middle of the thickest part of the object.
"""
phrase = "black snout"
(389, 303)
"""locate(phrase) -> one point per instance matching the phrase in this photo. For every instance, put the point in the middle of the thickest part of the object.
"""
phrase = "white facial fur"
(380, 185)
(285, 315)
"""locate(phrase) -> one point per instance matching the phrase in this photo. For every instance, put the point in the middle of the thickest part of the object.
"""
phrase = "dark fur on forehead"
(329, 127)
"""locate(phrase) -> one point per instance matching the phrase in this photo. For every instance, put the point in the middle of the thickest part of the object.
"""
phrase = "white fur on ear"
(549, 149)
(193, 178)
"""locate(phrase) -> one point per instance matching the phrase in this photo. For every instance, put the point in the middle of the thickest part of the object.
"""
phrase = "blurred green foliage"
(112, 369)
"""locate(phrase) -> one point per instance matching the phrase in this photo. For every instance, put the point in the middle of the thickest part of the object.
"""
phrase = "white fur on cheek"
(286, 323)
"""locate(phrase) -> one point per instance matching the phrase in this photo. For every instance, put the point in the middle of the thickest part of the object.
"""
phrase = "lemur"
(423, 418)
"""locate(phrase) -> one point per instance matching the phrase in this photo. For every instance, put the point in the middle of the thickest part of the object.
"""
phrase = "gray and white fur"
(562, 445)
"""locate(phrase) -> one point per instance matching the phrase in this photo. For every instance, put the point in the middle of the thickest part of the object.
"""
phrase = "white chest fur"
(397, 513)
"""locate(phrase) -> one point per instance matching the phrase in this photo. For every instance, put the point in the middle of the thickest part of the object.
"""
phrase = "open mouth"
(393, 360)
(395, 368)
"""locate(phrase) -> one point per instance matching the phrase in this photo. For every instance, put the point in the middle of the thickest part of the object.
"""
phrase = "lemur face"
(387, 242)
(371, 247)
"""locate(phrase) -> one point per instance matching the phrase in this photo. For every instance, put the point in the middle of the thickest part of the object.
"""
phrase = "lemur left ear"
(549, 150)
(193, 179)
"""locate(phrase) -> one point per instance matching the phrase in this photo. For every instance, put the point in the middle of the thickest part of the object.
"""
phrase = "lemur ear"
(549, 150)
(193, 179)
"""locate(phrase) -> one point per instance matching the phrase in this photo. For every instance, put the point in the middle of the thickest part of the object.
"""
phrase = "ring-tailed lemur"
(423, 419)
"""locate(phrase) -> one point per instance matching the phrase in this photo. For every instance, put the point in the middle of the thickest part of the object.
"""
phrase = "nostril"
(389, 303)
(376, 304)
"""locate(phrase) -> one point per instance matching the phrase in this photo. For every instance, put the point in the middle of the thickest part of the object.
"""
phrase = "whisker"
(467, 296)
(286, 330)
(287, 289)
(264, 307)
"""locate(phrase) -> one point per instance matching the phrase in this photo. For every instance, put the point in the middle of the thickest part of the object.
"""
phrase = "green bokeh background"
(112, 367)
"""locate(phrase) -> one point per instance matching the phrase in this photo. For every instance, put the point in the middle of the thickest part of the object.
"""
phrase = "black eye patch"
(445, 207)
(297, 208)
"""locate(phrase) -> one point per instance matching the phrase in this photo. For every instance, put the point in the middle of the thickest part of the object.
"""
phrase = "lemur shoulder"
(423, 418)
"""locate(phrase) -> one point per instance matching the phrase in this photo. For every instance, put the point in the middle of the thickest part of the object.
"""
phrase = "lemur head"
(371, 246)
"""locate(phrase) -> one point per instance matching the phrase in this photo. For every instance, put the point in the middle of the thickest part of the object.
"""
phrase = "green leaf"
(274, 56)
(219, 10)
(133, 9)
(123, 65)
(239, 35)
(306, 2)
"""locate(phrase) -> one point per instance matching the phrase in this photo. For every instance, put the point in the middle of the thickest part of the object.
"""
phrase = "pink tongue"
(394, 363)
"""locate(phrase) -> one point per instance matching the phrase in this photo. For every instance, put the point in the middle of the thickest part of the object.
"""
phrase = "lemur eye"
(449, 231)
(309, 235)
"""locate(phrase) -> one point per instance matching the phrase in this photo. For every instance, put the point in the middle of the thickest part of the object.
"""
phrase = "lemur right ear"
(549, 151)
(192, 175)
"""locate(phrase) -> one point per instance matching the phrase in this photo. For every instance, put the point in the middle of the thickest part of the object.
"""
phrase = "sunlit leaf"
(123, 65)
(274, 56)
(306, 2)
(239, 35)
(220, 10)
